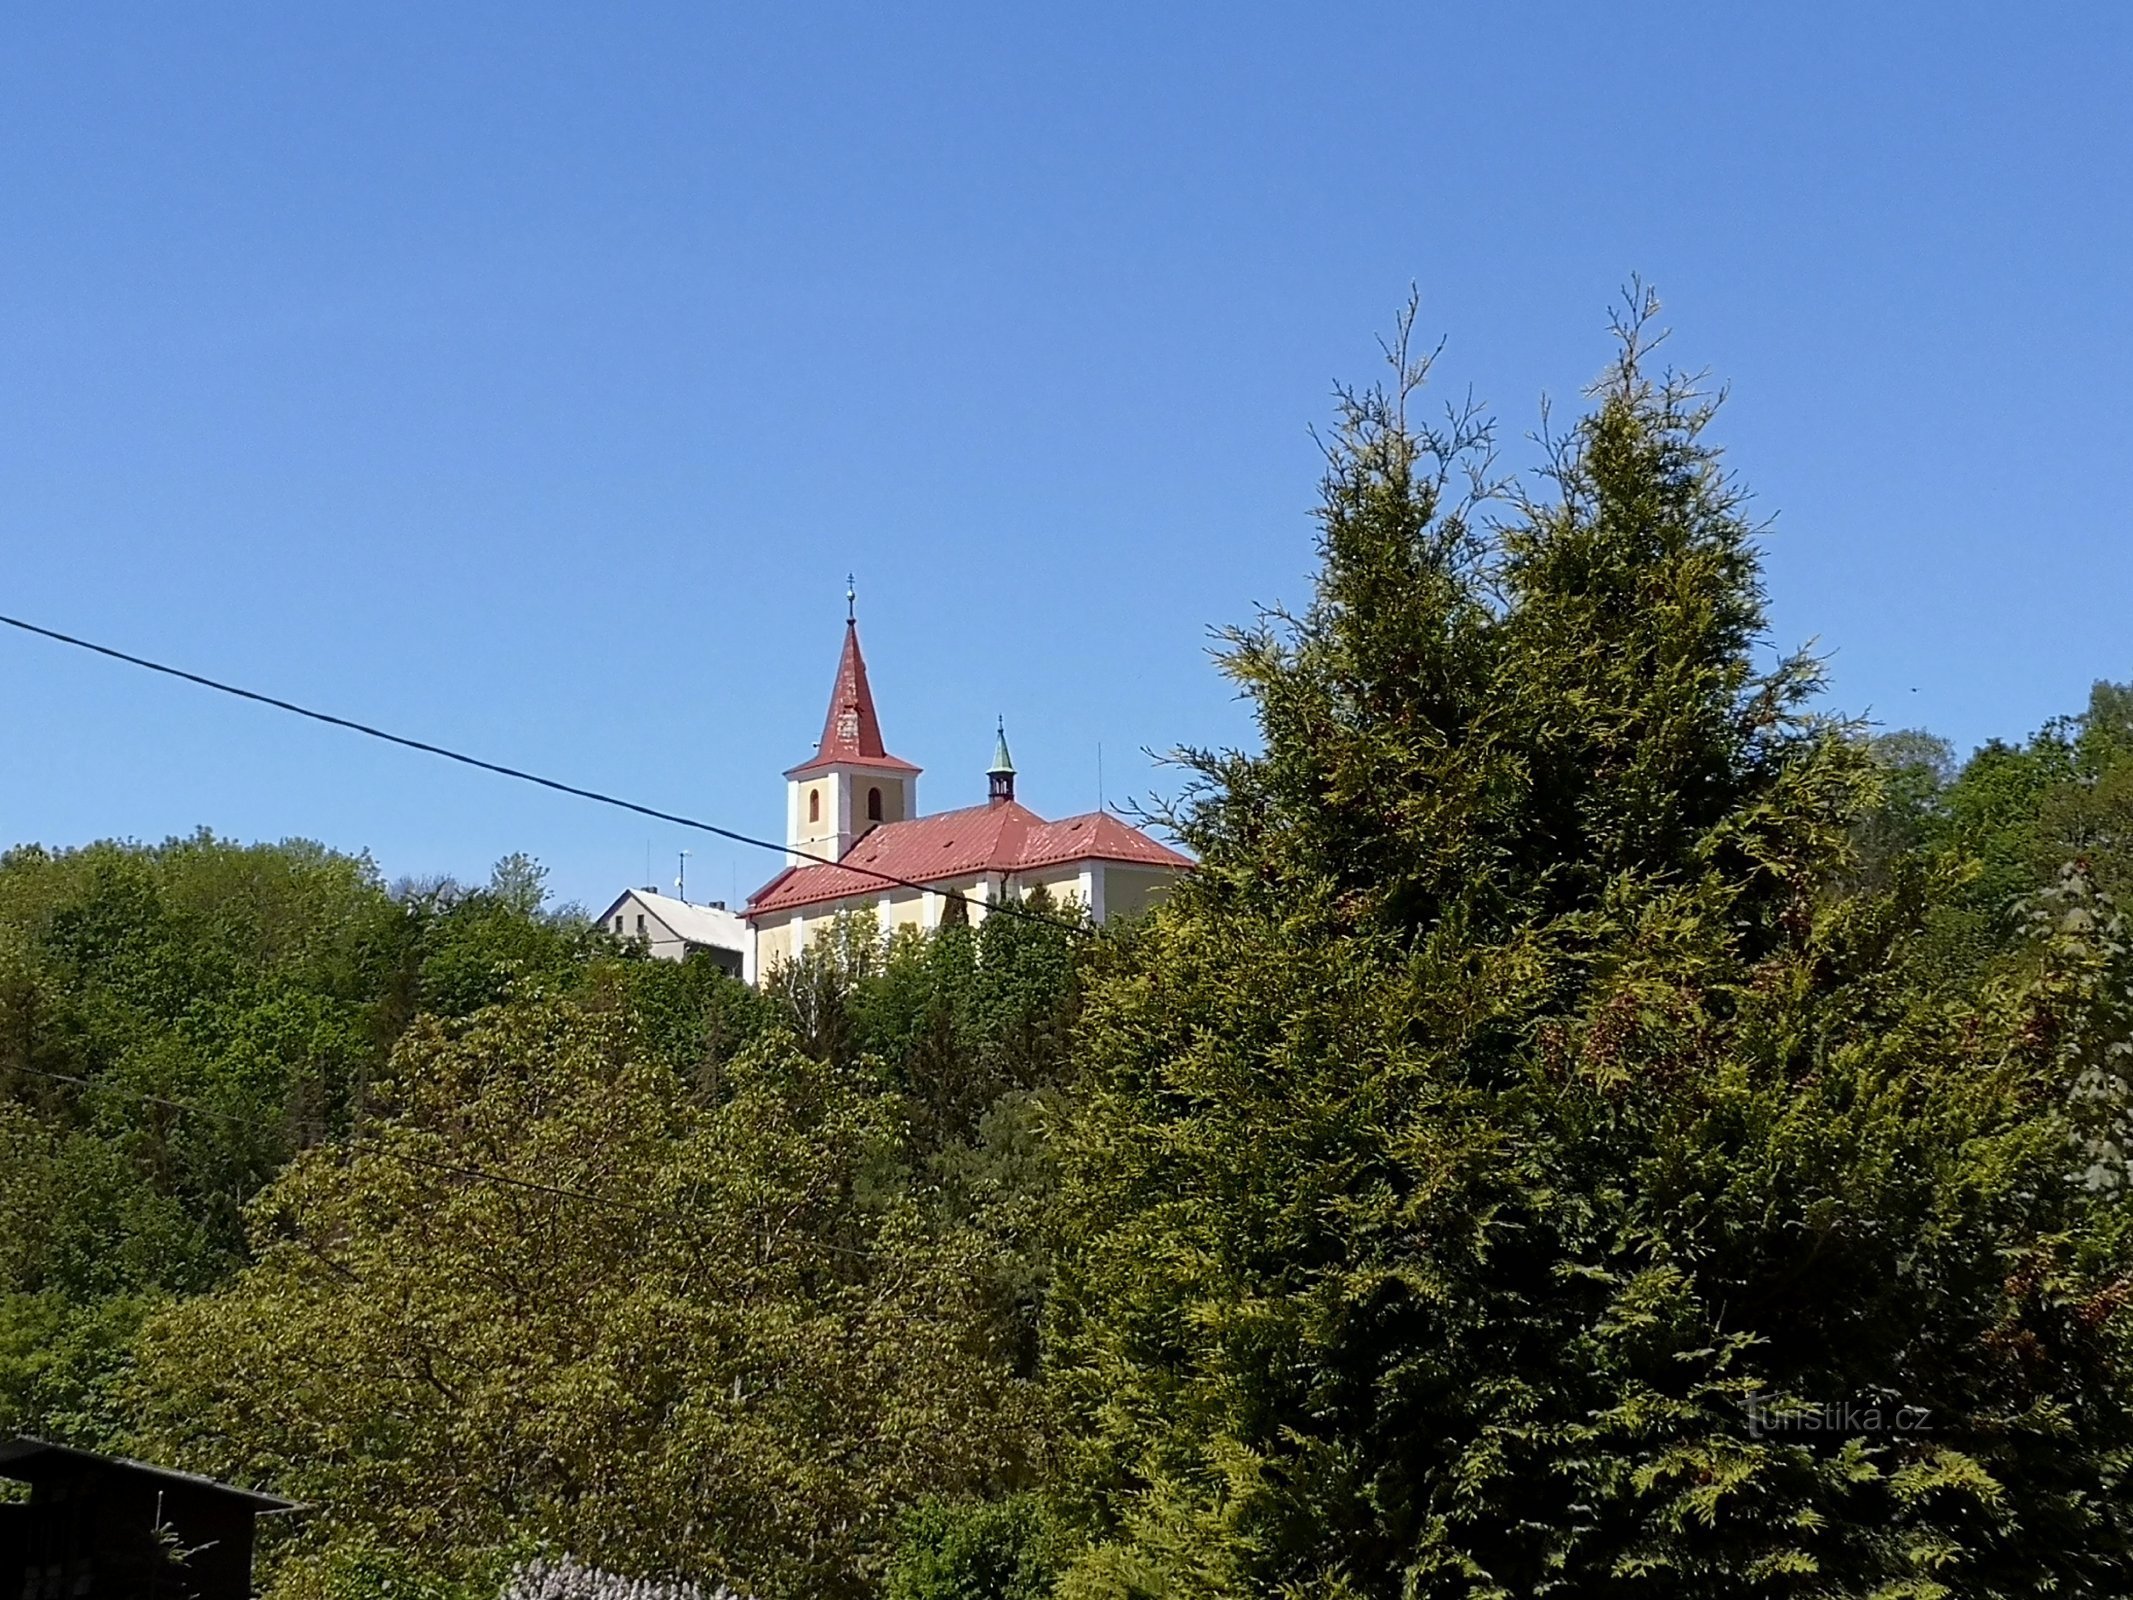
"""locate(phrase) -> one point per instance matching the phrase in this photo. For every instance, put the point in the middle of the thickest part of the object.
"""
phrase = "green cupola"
(1000, 776)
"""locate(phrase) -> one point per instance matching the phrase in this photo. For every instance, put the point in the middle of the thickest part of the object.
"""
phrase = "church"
(857, 840)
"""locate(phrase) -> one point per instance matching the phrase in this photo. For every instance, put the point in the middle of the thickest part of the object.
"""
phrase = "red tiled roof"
(1004, 838)
(1097, 836)
(851, 731)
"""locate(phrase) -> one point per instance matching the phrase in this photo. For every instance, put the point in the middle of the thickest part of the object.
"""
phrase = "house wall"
(638, 922)
(98, 1529)
(662, 941)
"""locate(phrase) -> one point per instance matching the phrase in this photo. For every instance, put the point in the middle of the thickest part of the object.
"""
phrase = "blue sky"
(528, 377)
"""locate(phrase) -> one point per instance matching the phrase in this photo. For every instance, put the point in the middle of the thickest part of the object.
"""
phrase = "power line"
(596, 796)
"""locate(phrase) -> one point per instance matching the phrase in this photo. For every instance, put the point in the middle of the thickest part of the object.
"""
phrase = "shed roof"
(21, 1457)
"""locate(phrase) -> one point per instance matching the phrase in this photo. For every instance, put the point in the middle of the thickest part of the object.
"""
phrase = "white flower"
(570, 1579)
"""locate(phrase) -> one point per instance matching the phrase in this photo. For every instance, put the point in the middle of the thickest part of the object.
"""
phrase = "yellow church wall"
(937, 901)
(819, 834)
(1061, 883)
(1127, 891)
(892, 801)
(774, 943)
(904, 911)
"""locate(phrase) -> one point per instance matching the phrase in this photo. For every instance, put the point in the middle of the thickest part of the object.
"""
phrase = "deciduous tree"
(555, 1295)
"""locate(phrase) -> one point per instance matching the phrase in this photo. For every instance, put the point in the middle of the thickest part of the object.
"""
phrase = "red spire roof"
(851, 731)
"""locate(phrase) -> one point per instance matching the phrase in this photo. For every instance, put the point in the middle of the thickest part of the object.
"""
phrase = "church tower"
(852, 783)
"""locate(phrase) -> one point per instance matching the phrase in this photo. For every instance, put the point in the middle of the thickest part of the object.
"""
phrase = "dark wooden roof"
(26, 1460)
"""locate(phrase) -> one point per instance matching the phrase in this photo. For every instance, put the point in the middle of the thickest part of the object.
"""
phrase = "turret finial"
(851, 599)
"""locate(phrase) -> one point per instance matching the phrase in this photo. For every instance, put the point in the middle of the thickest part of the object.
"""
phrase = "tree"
(975, 1550)
(1910, 814)
(2020, 813)
(237, 980)
(176, 1021)
(1529, 1157)
(521, 883)
(556, 1296)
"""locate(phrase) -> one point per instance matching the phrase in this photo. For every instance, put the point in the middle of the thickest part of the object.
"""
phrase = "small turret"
(1000, 776)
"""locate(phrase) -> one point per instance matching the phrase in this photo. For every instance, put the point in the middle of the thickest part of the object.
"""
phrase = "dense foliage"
(1534, 1156)
(1592, 1126)
(175, 1022)
(1005, 1549)
(672, 1291)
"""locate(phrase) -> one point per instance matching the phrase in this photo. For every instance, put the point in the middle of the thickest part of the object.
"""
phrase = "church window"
(873, 805)
(814, 805)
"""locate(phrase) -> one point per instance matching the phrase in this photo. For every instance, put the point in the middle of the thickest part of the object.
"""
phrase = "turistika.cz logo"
(1843, 1418)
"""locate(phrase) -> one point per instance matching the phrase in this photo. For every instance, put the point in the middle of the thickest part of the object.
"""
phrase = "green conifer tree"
(1524, 1160)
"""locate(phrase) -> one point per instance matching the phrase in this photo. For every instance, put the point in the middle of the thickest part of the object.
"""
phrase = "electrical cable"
(596, 796)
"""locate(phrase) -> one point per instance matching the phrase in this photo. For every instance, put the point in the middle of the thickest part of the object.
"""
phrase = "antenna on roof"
(1100, 775)
(681, 879)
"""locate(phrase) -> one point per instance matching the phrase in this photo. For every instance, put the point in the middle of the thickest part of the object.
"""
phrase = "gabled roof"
(712, 926)
(851, 732)
(1003, 838)
(1096, 836)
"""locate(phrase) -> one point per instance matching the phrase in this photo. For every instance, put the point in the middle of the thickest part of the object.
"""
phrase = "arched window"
(873, 805)
(814, 805)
